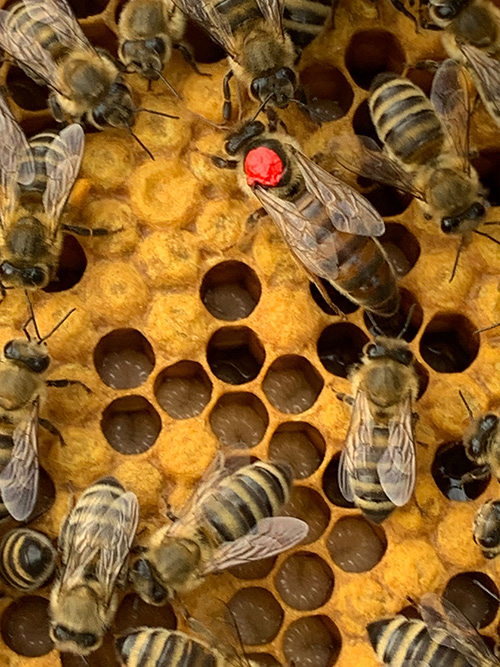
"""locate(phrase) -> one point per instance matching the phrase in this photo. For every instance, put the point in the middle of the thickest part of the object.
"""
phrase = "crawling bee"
(263, 39)
(487, 528)
(224, 524)
(377, 464)
(27, 559)
(328, 226)
(443, 637)
(94, 544)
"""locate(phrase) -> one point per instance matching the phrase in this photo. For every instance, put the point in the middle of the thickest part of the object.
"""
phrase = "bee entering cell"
(448, 469)
(292, 384)
(312, 641)
(340, 346)
(124, 359)
(239, 420)
(329, 94)
(373, 51)
(468, 592)
(25, 626)
(299, 445)
(257, 614)
(183, 390)
(355, 544)
(130, 424)
(304, 581)
(230, 291)
(235, 355)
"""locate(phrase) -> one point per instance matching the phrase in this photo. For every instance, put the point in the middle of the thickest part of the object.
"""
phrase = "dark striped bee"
(487, 528)
(263, 39)
(443, 637)
(377, 464)
(328, 226)
(94, 544)
(27, 559)
(229, 520)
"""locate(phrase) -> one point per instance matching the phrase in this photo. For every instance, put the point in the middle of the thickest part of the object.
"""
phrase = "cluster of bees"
(332, 231)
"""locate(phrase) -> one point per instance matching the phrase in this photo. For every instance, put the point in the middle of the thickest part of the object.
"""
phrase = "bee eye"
(10, 350)
(33, 276)
(371, 350)
(61, 633)
(142, 568)
(446, 11)
(7, 269)
(476, 211)
(156, 44)
(38, 364)
(257, 87)
(287, 74)
(449, 225)
(87, 639)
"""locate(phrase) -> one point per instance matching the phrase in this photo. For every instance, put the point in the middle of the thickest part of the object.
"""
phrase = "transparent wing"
(486, 72)
(19, 478)
(205, 13)
(62, 163)
(272, 11)
(396, 466)
(364, 157)
(270, 537)
(60, 17)
(349, 211)
(313, 248)
(450, 98)
(441, 616)
(357, 446)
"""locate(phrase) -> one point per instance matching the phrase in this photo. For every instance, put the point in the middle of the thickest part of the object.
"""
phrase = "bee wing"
(318, 257)
(206, 14)
(60, 17)
(349, 211)
(449, 627)
(487, 71)
(396, 466)
(62, 164)
(270, 537)
(450, 98)
(19, 478)
(358, 444)
(272, 11)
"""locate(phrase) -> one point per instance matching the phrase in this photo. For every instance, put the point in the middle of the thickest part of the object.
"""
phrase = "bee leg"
(479, 473)
(49, 426)
(227, 107)
(187, 54)
(398, 5)
(345, 398)
(67, 383)
(222, 163)
(55, 109)
(170, 514)
(273, 121)
(326, 297)
(431, 65)
(85, 231)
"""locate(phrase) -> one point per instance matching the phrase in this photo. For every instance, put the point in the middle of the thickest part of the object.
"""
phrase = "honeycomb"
(193, 336)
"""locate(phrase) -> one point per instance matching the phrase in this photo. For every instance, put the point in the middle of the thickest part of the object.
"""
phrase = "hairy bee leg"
(345, 398)
(479, 473)
(274, 121)
(227, 107)
(170, 514)
(49, 426)
(222, 163)
(188, 56)
(67, 383)
(85, 231)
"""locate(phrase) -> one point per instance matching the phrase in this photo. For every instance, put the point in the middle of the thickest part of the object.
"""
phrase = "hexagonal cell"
(254, 570)
(298, 444)
(309, 506)
(449, 466)
(72, 265)
(330, 484)
(448, 344)
(401, 246)
(423, 379)
(312, 641)
(235, 355)
(205, 50)
(183, 390)
(105, 655)
(387, 200)
(466, 591)
(134, 612)
(421, 77)
(371, 52)
(362, 122)
(25, 92)
(257, 614)
(239, 420)
(124, 358)
(355, 544)
(329, 94)
(340, 346)
(292, 384)
(398, 323)
(230, 291)
(84, 8)
(344, 304)
(304, 581)
(46, 496)
(25, 626)
(130, 424)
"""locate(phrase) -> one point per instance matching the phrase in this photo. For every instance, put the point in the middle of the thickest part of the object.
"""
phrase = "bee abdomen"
(238, 12)
(405, 120)
(244, 498)
(401, 641)
(305, 19)
(369, 495)
(20, 20)
(39, 145)
(27, 559)
(155, 647)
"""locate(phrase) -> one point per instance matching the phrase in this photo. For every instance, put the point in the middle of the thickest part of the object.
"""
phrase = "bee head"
(146, 582)
(276, 88)
(117, 109)
(27, 277)
(28, 353)
(474, 214)
(487, 528)
(479, 436)
(77, 621)
(147, 56)
(389, 348)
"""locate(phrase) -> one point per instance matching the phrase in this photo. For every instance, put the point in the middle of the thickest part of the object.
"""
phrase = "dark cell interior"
(487, 167)
(205, 50)
(263, 659)
(400, 323)
(422, 77)
(373, 51)
(298, 444)
(329, 94)
(84, 8)
(254, 570)
(72, 265)
(423, 378)
(344, 304)
(448, 468)
(402, 247)
(25, 626)
(134, 612)
(312, 641)
(292, 384)
(183, 390)
(449, 344)
(130, 424)
(362, 122)
(25, 92)
(387, 200)
(304, 581)
(466, 591)
(230, 290)
(309, 506)
(46, 495)
(124, 358)
(105, 655)
(257, 614)
(355, 544)
(330, 484)
(340, 346)
(239, 420)
(235, 355)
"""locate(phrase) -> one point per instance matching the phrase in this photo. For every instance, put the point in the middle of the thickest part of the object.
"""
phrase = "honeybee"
(328, 226)
(481, 442)
(443, 637)
(487, 528)
(263, 39)
(223, 524)
(94, 544)
(377, 464)
(27, 559)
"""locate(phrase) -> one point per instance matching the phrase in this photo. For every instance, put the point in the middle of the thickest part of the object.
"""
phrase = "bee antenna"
(261, 108)
(169, 85)
(31, 319)
(41, 340)
(141, 144)
(407, 323)
(469, 410)
(156, 113)
(486, 589)
(476, 231)
(455, 263)
(492, 326)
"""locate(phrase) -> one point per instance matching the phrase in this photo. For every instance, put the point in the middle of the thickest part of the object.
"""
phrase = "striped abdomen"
(399, 639)
(39, 145)
(19, 20)
(241, 500)
(239, 13)
(405, 120)
(305, 19)
(365, 274)
(27, 559)
(155, 647)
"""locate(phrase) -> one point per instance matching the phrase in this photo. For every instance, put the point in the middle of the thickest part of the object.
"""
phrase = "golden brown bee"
(487, 528)
(377, 464)
(94, 544)
(27, 559)
(443, 637)
(229, 520)
(328, 226)
(262, 39)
